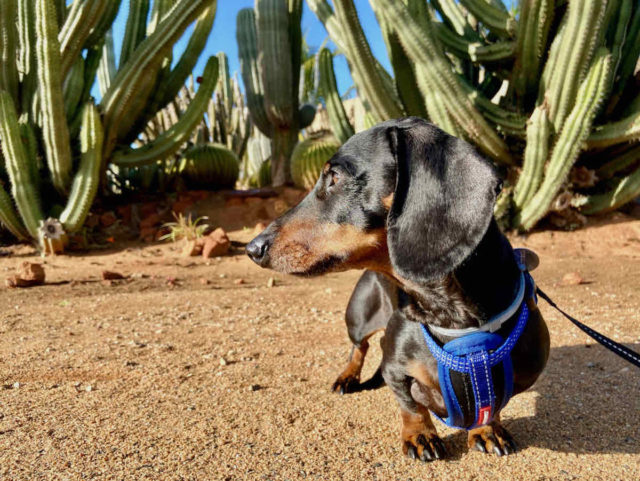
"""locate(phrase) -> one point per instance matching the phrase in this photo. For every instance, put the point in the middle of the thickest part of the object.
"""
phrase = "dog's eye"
(334, 178)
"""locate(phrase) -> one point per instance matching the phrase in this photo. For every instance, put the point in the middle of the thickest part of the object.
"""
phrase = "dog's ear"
(442, 204)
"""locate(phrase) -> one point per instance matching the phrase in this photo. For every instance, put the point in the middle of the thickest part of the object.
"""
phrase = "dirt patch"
(181, 371)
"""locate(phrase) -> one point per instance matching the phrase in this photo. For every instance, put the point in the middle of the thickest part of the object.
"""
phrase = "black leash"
(622, 351)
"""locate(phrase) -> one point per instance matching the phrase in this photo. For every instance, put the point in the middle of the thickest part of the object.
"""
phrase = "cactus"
(87, 179)
(309, 157)
(256, 171)
(570, 139)
(211, 166)
(340, 125)
(51, 53)
(452, 56)
(269, 44)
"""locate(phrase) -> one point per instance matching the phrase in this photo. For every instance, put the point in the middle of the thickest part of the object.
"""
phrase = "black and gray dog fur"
(414, 206)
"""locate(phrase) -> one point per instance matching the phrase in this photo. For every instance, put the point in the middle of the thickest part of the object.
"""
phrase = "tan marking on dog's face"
(301, 247)
(387, 201)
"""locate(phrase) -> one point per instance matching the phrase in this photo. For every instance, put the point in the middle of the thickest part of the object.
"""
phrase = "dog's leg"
(492, 438)
(350, 377)
(349, 380)
(419, 437)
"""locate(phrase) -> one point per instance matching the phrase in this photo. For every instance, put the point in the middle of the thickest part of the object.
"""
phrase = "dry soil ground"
(183, 372)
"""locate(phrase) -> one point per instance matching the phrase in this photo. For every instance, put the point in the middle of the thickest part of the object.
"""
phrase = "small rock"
(572, 279)
(112, 276)
(88, 388)
(223, 361)
(204, 281)
(255, 387)
(192, 247)
(238, 281)
(16, 385)
(30, 274)
(271, 282)
(216, 244)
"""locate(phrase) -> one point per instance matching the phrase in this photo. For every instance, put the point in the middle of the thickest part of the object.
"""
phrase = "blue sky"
(223, 36)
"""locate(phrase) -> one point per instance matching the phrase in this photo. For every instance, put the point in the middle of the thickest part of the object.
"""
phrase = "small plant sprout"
(185, 228)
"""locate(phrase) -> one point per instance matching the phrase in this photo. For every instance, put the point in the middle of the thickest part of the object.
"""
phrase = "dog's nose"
(257, 250)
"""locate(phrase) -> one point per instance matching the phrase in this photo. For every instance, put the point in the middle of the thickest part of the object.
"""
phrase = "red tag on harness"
(484, 415)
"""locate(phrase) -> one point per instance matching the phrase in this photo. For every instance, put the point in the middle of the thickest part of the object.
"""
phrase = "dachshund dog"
(415, 206)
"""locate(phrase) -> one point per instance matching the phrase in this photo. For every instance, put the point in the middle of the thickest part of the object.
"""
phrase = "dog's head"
(403, 198)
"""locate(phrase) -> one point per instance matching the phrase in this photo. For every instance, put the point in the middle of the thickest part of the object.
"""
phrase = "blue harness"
(469, 366)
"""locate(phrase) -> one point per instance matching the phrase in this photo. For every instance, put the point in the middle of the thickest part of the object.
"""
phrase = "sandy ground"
(183, 372)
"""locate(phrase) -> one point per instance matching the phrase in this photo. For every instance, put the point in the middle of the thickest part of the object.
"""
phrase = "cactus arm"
(17, 166)
(73, 87)
(26, 55)
(224, 84)
(535, 156)
(619, 163)
(91, 64)
(8, 48)
(340, 125)
(376, 87)
(404, 72)
(624, 130)
(9, 217)
(135, 29)
(474, 51)
(54, 123)
(509, 122)
(619, 38)
(131, 87)
(87, 179)
(584, 24)
(272, 18)
(159, 9)
(534, 24)
(630, 52)
(570, 139)
(453, 16)
(627, 189)
(60, 11)
(104, 23)
(82, 19)
(189, 57)
(436, 105)
(107, 67)
(295, 41)
(494, 18)
(423, 48)
(170, 140)
(250, 67)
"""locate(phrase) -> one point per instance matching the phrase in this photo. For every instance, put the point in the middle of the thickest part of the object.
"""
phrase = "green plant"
(55, 143)
(185, 228)
(308, 158)
(545, 94)
(270, 49)
(210, 166)
(256, 167)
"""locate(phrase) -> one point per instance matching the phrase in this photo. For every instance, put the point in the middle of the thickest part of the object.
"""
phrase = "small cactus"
(210, 166)
(308, 158)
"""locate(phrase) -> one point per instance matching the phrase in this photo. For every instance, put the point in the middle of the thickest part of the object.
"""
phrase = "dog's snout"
(258, 249)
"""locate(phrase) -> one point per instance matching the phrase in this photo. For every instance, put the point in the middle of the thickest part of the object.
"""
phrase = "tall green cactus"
(269, 44)
(455, 56)
(340, 125)
(51, 53)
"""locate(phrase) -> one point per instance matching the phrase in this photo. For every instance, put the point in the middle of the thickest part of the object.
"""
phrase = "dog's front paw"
(492, 438)
(424, 446)
(345, 384)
